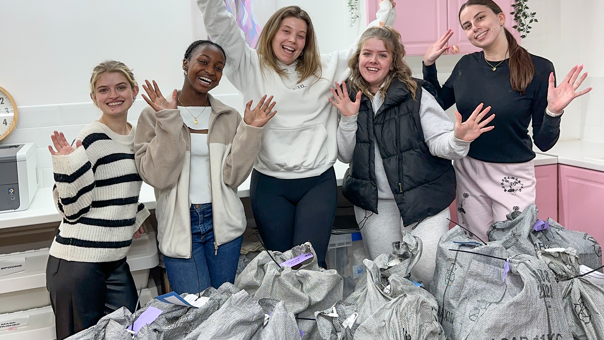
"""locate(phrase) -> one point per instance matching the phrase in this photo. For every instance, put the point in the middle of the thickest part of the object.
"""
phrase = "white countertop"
(42, 208)
(581, 153)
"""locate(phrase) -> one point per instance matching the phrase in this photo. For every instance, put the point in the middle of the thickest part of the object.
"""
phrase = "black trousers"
(81, 293)
(289, 212)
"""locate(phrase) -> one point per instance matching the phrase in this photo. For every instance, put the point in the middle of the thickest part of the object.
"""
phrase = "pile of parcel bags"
(522, 284)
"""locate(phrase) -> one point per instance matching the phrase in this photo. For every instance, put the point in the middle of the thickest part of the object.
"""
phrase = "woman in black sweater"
(498, 175)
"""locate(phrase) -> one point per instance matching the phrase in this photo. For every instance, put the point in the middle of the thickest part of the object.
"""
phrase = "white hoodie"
(300, 141)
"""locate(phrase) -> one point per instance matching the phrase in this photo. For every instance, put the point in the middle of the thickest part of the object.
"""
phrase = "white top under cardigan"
(438, 134)
(300, 141)
(200, 188)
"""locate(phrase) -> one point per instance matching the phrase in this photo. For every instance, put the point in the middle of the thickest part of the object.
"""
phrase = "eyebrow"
(207, 56)
(477, 14)
(291, 28)
(122, 83)
(368, 50)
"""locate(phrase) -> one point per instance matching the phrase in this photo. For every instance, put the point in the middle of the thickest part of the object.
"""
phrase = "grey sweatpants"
(380, 230)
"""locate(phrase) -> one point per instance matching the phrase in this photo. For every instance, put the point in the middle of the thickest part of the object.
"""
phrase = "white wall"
(50, 47)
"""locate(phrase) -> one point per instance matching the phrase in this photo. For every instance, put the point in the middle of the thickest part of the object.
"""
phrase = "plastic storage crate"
(345, 254)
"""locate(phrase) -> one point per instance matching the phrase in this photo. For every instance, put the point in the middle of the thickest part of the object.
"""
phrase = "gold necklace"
(494, 68)
(194, 118)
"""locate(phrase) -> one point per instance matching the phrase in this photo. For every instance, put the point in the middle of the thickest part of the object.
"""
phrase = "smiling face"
(204, 68)
(290, 39)
(375, 62)
(113, 93)
(482, 26)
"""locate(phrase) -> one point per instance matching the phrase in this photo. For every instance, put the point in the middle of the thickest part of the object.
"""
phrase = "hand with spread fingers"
(475, 125)
(261, 114)
(559, 97)
(61, 145)
(156, 100)
(438, 48)
(342, 101)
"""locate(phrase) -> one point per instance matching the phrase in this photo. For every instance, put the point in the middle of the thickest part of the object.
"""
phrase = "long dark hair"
(522, 68)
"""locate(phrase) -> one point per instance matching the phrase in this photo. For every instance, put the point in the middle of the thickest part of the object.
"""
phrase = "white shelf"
(142, 256)
(41, 325)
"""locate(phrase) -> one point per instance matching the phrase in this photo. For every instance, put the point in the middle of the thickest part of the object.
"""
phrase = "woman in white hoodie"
(293, 189)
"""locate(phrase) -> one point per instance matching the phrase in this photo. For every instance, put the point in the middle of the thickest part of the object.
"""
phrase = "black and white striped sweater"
(96, 191)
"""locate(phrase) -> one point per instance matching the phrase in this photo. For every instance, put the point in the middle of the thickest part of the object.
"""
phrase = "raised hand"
(342, 101)
(474, 126)
(156, 100)
(437, 49)
(61, 145)
(559, 97)
(261, 114)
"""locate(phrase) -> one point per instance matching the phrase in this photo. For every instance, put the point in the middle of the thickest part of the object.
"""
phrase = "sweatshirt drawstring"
(215, 248)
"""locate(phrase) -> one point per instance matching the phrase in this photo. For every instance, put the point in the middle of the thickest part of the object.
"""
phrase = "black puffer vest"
(423, 185)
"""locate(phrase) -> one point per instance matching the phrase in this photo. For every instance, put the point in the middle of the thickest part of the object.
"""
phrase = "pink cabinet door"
(459, 37)
(547, 191)
(420, 23)
(581, 193)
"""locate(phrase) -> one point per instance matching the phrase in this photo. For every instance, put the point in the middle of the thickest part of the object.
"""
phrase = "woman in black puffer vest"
(399, 143)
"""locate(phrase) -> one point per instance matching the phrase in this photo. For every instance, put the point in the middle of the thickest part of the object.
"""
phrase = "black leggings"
(81, 293)
(289, 212)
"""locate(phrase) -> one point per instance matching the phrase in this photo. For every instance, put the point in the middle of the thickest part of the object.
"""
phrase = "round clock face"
(8, 114)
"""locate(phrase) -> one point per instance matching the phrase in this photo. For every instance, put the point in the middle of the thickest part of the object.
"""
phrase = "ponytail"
(522, 68)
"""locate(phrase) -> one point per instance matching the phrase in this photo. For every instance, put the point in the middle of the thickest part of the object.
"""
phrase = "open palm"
(261, 114)
(475, 125)
(156, 100)
(559, 97)
(342, 101)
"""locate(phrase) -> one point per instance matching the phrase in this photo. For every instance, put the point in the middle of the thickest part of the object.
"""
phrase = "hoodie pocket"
(291, 149)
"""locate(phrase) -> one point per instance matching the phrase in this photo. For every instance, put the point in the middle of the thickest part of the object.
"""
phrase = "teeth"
(115, 104)
(372, 69)
(481, 35)
(205, 80)
(288, 48)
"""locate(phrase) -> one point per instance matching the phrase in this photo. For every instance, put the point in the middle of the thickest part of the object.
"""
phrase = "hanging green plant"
(523, 17)
(353, 11)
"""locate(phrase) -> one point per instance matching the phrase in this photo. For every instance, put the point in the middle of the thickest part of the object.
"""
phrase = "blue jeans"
(207, 266)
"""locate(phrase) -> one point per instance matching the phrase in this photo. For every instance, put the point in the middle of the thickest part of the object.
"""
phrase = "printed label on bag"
(297, 260)
(349, 322)
(12, 266)
(13, 323)
(596, 278)
(190, 300)
(357, 271)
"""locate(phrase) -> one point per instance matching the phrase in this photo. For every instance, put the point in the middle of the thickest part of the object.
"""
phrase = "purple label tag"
(506, 269)
(301, 333)
(297, 260)
(540, 225)
(146, 318)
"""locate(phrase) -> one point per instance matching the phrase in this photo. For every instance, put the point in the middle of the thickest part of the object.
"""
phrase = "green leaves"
(523, 17)
(353, 10)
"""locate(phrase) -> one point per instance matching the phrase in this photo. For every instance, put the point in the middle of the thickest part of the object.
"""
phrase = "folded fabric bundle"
(304, 290)
(523, 233)
(583, 300)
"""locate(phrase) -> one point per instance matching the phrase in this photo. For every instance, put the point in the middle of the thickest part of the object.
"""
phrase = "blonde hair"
(309, 61)
(399, 68)
(111, 66)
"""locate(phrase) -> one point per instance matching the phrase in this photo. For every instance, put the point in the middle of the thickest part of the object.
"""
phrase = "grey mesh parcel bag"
(583, 299)
(452, 264)
(388, 304)
(517, 234)
(526, 304)
(305, 290)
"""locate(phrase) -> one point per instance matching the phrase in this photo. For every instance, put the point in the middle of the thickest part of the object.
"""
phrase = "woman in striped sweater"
(96, 192)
